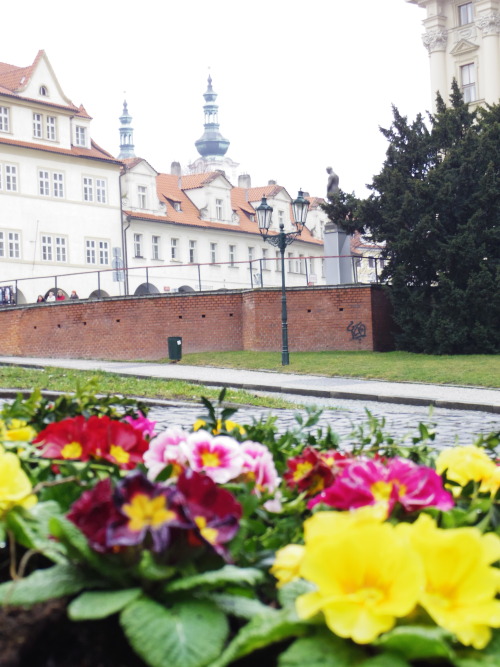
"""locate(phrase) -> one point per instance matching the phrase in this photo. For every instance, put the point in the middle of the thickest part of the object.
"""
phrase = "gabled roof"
(93, 153)
(192, 181)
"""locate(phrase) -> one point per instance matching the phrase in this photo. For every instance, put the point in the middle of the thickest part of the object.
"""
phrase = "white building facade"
(463, 42)
(59, 192)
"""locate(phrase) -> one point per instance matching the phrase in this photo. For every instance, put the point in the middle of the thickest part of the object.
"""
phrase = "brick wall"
(319, 318)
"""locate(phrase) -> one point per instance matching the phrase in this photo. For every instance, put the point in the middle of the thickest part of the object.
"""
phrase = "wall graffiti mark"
(358, 330)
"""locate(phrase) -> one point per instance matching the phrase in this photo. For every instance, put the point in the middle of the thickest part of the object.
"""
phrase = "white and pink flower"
(219, 457)
(167, 449)
(258, 466)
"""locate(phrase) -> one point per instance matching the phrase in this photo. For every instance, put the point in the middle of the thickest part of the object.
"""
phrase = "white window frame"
(192, 252)
(465, 14)
(4, 119)
(232, 255)
(81, 136)
(44, 182)
(10, 173)
(281, 217)
(58, 185)
(174, 249)
(155, 247)
(88, 189)
(251, 256)
(137, 245)
(103, 247)
(219, 209)
(51, 128)
(97, 251)
(265, 257)
(2, 243)
(46, 247)
(177, 206)
(61, 249)
(37, 125)
(14, 245)
(142, 196)
(101, 190)
(468, 80)
(90, 251)
(277, 255)
(213, 253)
(53, 248)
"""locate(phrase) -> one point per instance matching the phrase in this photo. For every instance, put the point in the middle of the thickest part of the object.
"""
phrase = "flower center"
(381, 491)
(146, 512)
(209, 534)
(210, 460)
(119, 454)
(73, 450)
(302, 470)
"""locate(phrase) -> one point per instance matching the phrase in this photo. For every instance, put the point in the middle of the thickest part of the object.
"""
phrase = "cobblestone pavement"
(343, 416)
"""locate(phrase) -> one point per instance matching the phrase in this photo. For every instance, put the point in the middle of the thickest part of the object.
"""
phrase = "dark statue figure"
(333, 183)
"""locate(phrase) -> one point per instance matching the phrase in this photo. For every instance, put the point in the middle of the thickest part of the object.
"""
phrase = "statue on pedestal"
(332, 187)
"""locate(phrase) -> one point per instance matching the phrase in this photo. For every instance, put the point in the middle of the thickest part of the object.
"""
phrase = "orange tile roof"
(192, 181)
(94, 153)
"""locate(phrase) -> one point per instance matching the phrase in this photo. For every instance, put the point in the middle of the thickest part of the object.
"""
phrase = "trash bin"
(175, 348)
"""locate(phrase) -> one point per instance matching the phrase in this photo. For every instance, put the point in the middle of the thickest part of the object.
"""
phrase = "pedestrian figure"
(40, 299)
(60, 295)
(50, 296)
(74, 295)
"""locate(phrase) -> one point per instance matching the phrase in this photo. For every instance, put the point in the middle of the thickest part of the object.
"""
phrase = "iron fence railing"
(140, 280)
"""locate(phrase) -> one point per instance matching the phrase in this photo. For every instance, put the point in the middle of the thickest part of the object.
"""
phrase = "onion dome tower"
(212, 144)
(126, 134)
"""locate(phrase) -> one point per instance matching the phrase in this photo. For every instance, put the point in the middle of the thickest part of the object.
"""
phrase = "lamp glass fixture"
(264, 214)
(300, 209)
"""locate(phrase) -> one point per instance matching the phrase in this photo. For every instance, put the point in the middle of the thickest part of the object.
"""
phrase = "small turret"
(212, 143)
(126, 134)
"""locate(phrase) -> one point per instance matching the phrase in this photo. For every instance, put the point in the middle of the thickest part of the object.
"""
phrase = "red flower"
(64, 440)
(93, 512)
(313, 471)
(213, 511)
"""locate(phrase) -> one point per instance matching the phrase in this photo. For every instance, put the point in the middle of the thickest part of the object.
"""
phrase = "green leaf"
(149, 569)
(325, 650)
(189, 634)
(42, 585)
(31, 529)
(260, 632)
(385, 660)
(291, 591)
(92, 605)
(227, 574)
(238, 605)
(416, 642)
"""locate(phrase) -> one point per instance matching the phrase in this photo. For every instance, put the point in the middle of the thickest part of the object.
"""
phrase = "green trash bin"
(175, 348)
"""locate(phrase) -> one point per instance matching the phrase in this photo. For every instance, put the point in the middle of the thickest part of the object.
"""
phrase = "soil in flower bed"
(43, 636)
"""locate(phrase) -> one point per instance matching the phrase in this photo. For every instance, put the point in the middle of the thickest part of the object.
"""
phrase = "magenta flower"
(142, 424)
(258, 466)
(219, 457)
(394, 481)
(167, 448)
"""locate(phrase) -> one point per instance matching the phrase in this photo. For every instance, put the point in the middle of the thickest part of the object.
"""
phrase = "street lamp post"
(281, 240)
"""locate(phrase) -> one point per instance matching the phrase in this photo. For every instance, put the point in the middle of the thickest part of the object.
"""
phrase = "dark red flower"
(93, 512)
(313, 471)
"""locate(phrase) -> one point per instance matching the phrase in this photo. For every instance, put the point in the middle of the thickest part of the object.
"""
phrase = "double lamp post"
(281, 240)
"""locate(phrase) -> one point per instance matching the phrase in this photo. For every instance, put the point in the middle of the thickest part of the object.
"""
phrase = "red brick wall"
(138, 327)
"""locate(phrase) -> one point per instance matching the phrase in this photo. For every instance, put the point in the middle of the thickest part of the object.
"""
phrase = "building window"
(103, 252)
(232, 255)
(61, 255)
(468, 75)
(213, 253)
(265, 266)
(177, 206)
(371, 262)
(278, 261)
(11, 178)
(281, 218)
(43, 183)
(43, 91)
(58, 185)
(137, 245)
(4, 119)
(290, 266)
(142, 196)
(50, 128)
(155, 247)
(100, 190)
(192, 252)
(218, 209)
(14, 245)
(2, 244)
(46, 248)
(465, 13)
(37, 125)
(174, 246)
(90, 251)
(81, 135)
(251, 255)
(301, 264)
(88, 189)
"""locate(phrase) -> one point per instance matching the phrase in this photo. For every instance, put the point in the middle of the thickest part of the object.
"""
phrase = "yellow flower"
(461, 584)
(465, 464)
(228, 426)
(16, 431)
(286, 566)
(365, 575)
(15, 487)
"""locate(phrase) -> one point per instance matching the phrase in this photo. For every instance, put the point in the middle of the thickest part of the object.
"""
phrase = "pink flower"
(142, 424)
(219, 457)
(258, 466)
(166, 449)
(394, 481)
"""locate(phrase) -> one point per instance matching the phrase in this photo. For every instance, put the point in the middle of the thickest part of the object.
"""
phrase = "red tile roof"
(93, 153)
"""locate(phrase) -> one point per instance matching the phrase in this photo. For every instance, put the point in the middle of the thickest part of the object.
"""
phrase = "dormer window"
(465, 13)
(177, 206)
(218, 209)
(43, 91)
(81, 135)
(142, 196)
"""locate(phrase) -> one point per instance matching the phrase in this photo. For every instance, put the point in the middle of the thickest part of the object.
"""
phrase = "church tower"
(463, 42)
(212, 146)
(126, 134)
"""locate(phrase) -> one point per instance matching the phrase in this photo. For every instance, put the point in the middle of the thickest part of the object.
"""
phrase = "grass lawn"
(478, 370)
(61, 379)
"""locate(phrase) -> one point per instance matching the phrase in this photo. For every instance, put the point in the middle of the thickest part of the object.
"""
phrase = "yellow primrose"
(286, 566)
(465, 464)
(461, 584)
(365, 575)
(15, 487)
(228, 426)
(17, 430)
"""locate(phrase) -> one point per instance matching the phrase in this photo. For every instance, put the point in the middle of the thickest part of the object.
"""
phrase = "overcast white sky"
(301, 85)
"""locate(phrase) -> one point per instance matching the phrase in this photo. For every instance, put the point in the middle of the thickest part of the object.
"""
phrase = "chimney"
(175, 169)
(244, 181)
(271, 182)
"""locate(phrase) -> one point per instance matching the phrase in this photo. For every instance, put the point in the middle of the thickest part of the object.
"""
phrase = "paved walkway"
(444, 396)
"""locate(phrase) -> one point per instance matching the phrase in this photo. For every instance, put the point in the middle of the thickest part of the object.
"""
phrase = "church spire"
(212, 143)
(126, 134)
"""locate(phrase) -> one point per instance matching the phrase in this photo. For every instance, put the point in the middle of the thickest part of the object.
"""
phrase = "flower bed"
(230, 544)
